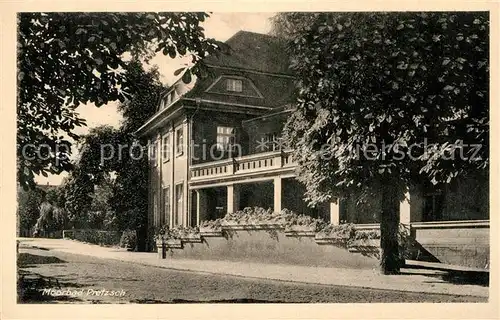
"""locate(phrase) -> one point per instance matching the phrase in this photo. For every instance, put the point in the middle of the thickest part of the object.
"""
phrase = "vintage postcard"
(236, 160)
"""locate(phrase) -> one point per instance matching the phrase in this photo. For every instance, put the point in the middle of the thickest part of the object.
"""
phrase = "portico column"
(335, 212)
(233, 198)
(277, 194)
(201, 206)
(404, 210)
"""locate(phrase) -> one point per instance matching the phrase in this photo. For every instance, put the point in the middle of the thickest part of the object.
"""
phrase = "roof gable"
(248, 88)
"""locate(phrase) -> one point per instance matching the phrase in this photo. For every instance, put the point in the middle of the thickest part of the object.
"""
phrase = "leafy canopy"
(68, 59)
(375, 88)
(28, 207)
(107, 151)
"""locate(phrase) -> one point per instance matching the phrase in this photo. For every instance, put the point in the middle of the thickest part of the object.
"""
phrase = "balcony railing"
(254, 163)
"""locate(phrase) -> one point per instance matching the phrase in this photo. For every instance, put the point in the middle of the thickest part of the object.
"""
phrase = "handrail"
(258, 156)
(250, 157)
(212, 164)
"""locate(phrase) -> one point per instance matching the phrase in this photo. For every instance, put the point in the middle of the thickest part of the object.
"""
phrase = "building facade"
(215, 148)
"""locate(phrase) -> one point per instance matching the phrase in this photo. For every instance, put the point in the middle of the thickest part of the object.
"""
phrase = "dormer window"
(173, 96)
(168, 99)
(234, 85)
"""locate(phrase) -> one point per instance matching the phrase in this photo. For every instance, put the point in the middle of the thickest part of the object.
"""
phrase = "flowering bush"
(251, 215)
(180, 232)
(212, 224)
(260, 216)
(160, 233)
(128, 239)
(342, 231)
(164, 233)
(367, 235)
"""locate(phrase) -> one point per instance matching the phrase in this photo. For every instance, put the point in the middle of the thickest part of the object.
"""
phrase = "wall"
(466, 198)
(464, 246)
(272, 246)
(169, 172)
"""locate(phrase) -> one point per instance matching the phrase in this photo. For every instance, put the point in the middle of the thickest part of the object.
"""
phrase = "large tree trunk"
(389, 223)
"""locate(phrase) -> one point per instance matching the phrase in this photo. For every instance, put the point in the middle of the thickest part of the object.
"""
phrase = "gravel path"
(84, 276)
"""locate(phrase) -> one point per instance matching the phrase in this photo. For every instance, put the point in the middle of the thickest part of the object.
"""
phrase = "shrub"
(251, 215)
(285, 218)
(342, 231)
(178, 232)
(160, 232)
(212, 224)
(100, 237)
(367, 235)
(128, 240)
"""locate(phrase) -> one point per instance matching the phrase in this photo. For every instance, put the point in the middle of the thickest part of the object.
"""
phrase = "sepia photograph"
(288, 157)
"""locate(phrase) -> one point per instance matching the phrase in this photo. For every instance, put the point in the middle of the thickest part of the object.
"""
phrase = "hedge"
(100, 237)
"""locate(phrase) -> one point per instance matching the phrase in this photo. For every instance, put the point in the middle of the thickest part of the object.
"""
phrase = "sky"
(220, 26)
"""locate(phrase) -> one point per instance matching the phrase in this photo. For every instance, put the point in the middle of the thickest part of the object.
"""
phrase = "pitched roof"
(260, 58)
(256, 51)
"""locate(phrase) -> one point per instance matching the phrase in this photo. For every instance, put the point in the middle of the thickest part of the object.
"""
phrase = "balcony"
(260, 164)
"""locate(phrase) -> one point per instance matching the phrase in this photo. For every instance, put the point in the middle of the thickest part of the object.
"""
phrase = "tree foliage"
(387, 99)
(130, 196)
(105, 152)
(101, 215)
(28, 207)
(89, 173)
(393, 80)
(68, 59)
(51, 219)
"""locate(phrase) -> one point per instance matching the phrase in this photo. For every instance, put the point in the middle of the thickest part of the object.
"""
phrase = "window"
(273, 140)
(168, 99)
(166, 206)
(179, 199)
(225, 138)
(433, 206)
(179, 144)
(153, 153)
(166, 147)
(234, 85)
(433, 197)
(155, 208)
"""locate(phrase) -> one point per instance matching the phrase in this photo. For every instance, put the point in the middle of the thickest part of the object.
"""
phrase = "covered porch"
(276, 193)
